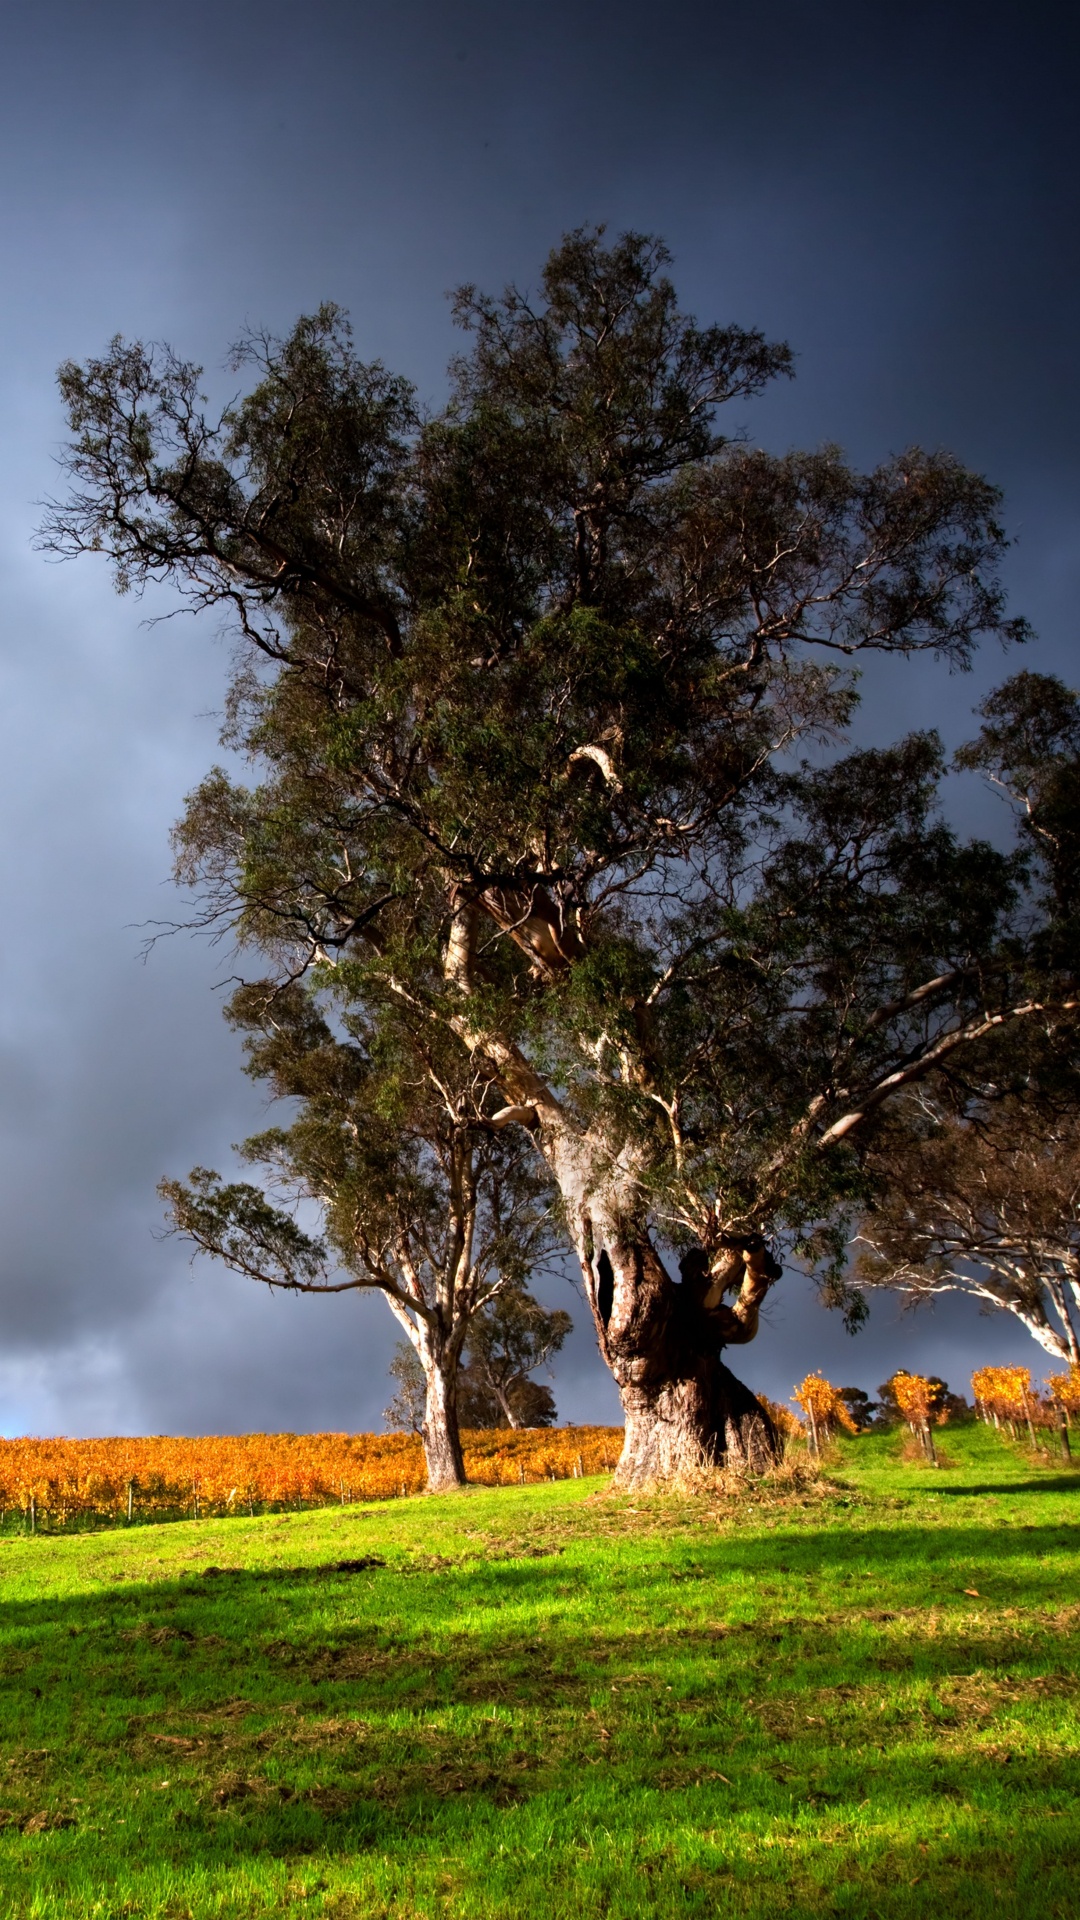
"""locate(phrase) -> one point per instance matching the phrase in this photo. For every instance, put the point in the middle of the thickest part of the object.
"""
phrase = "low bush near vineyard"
(63, 1482)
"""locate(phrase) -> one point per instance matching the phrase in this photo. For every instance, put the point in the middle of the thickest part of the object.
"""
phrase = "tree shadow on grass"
(228, 1717)
(1005, 1489)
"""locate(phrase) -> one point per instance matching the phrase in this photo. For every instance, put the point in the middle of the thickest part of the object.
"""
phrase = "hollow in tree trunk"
(685, 1411)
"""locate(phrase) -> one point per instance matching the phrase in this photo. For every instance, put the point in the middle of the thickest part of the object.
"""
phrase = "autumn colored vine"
(162, 1477)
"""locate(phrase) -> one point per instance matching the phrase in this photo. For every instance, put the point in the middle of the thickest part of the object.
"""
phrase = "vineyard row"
(55, 1482)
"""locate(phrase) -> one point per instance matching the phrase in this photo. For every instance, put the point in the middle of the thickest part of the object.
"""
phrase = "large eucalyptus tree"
(523, 684)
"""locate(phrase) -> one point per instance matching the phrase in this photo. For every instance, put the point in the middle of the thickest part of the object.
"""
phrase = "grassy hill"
(548, 1703)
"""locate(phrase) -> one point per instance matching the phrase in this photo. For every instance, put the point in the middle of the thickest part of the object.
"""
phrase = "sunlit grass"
(550, 1702)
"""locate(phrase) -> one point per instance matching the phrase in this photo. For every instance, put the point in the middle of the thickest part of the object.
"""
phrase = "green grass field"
(550, 1702)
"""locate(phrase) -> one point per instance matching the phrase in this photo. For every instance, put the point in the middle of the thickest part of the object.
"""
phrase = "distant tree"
(941, 1402)
(532, 1404)
(405, 1413)
(977, 1182)
(891, 1413)
(859, 1405)
(524, 683)
(825, 1408)
(419, 1195)
(507, 1341)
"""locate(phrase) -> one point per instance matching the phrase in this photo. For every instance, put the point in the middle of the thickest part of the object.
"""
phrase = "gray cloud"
(890, 193)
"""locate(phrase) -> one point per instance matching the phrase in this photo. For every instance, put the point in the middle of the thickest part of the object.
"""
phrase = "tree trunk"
(442, 1440)
(678, 1425)
(505, 1408)
(684, 1410)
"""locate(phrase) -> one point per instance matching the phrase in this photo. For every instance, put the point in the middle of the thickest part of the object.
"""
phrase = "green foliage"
(510, 1340)
(1030, 748)
(238, 1223)
(419, 1194)
(525, 685)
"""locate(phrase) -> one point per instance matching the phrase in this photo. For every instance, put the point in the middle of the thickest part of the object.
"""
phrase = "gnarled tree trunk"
(691, 1420)
(684, 1409)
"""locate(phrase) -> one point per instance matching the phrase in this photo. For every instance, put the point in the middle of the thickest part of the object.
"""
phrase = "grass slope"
(549, 1702)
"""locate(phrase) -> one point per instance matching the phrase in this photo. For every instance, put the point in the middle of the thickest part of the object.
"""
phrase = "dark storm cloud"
(894, 191)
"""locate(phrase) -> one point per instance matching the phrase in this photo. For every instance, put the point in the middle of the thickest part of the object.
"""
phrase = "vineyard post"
(130, 1499)
(195, 1499)
(1063, 1432)
(928, 1444)
(1027, 1415)
(33, 1514)
(815, 1449)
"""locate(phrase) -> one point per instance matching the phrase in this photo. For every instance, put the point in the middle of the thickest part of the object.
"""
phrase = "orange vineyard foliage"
(1002, 1391)
(167, 1478)
(782, 1417)
(822, 1405)
(1064, 1390)
(1006, 1395)
(914, 1397)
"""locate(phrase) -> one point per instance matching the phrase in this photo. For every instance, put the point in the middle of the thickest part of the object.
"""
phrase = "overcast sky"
(892, 189)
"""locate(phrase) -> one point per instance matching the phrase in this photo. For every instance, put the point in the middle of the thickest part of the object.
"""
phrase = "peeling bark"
(442, 1441)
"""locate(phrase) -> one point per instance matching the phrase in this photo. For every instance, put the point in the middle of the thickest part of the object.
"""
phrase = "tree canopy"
(528, 686)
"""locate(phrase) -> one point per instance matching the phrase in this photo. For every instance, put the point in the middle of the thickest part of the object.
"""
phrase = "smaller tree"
(1005, 1394)
(419, 1191)
(824, 1407)
(919, 1400)
(977, 1181)
(405, 1413)
(508, 1342)
(1064, 1392)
